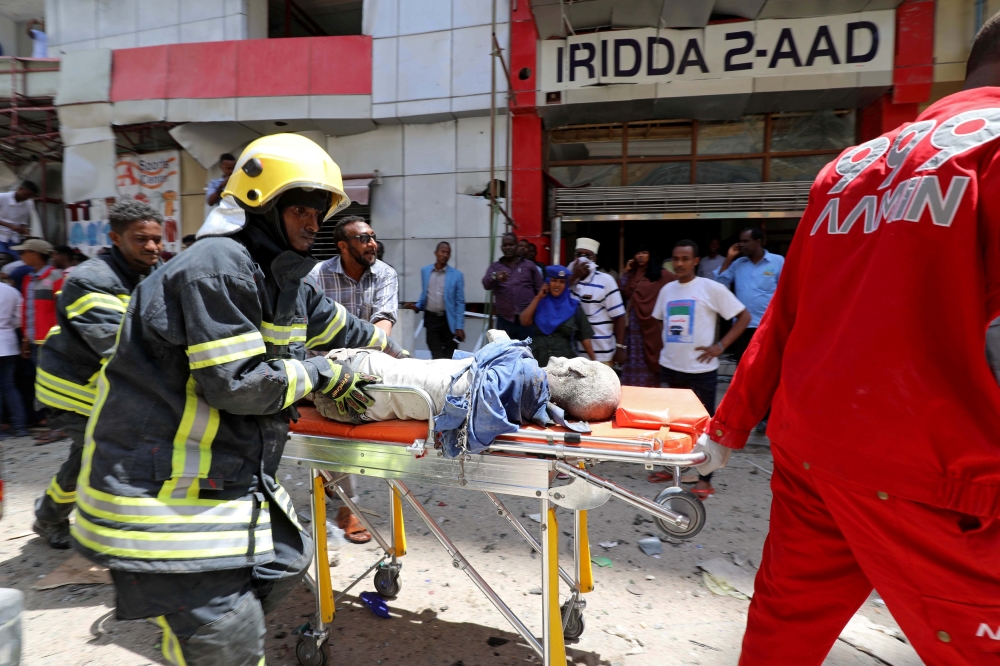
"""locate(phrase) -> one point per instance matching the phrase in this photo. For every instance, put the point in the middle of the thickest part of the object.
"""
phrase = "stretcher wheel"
(387, 582)
(686, 503)
(309, 653)
(575, 624)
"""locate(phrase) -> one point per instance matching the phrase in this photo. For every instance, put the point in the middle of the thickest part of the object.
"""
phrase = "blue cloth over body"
(554, 310)
(507, 389)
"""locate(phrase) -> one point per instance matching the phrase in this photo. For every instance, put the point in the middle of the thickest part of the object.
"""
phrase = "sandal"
(703, 493)
(49, 436)
(354, 531)
(663, 476)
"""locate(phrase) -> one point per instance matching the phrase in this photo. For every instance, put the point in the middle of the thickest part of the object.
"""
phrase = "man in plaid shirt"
(367, 288)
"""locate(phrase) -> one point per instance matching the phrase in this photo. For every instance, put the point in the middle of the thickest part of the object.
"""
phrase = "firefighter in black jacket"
(89, 310)
(178, 494)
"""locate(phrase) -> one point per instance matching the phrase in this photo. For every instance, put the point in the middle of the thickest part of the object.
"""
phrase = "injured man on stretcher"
(478, 397)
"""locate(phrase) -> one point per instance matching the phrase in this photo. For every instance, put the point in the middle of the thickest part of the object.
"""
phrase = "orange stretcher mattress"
(674, 416)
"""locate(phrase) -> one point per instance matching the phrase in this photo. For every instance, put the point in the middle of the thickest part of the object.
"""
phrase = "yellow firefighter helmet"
(274, 164)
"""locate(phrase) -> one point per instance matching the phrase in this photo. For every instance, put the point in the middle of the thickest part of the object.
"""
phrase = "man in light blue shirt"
(752, 272)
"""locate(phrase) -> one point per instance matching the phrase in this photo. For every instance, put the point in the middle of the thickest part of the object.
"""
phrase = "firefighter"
(885, 424)
(178, 493)
(89, 310)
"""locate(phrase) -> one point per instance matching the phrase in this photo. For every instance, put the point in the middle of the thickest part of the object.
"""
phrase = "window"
(767, 147)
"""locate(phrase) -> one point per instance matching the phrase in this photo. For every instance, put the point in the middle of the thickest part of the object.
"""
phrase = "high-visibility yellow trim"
(94, 300)
(79, 391)
(378, 341)
(332, 329)
(58, 495)
(283, 335)
(156, 545)
(55, 330)
(335, 370)
(298, 379)
(61, 401)
(171, 646)
(170, 511)
(192, 456)
(287, 507)
(225, 350)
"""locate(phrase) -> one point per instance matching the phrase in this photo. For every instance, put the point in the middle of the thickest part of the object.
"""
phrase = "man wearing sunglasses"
(368, 289)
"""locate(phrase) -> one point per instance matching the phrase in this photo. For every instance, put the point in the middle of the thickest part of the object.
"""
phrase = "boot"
(57, 534)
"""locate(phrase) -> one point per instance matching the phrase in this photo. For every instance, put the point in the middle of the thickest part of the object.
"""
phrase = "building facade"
(633, 122)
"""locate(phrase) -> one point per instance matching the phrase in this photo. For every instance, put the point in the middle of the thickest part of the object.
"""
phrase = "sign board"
(87, 225)
(153, 178)
(844, 43)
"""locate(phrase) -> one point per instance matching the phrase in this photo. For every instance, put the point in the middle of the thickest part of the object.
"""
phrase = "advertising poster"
(155, 179)
(87, 225)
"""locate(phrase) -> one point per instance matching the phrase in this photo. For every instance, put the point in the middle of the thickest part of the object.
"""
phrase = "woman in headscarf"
(641, 283)
(558, 319)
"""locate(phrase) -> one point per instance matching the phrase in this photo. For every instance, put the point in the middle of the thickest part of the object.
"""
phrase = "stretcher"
(652, 427)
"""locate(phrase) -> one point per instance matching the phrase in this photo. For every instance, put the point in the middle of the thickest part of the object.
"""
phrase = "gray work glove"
(718, 455)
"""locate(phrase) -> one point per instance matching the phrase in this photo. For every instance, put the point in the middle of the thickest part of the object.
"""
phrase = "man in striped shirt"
(602, 303)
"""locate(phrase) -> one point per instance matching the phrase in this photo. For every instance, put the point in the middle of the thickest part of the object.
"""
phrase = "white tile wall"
(236, 26)
(429, 206)
(384, 68)
(467, 13)
(157, 14)
(394, 257)
(200, 10)
(472, 215)
(168, 35)
(85, 45)
(429, 148)
(212, 30)
(474, 143)
(364, 153)
(126, 41)
(473, 182)
(201, 110)
(424, 66)
(416, 16)
(471, 61)
(268, 108)
(384, 18)
(416, 255)
(387, 208)
(425, 110)
(473, 257)
(236, 7)
(77, 20)
(116, 17)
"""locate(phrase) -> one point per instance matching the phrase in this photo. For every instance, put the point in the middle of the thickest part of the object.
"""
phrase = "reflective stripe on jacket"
(88, 311)
(191, 413)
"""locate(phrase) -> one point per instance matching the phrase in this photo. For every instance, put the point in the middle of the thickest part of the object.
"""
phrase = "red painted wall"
(913, 71)
(246, 68)
(527, 187)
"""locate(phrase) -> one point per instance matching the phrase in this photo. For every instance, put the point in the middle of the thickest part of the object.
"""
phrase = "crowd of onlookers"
(664, 322)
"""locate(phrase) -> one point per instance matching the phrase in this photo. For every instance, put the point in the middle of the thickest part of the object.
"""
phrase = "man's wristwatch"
(621, 346)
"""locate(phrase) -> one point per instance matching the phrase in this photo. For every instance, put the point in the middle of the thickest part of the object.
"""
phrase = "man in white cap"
(601, 301)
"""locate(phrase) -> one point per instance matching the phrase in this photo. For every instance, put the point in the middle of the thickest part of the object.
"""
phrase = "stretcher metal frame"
(522, 464)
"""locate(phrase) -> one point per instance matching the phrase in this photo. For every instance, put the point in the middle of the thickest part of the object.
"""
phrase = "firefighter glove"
(347, 388)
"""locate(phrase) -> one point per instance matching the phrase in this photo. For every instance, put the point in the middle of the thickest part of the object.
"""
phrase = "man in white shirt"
(10, 398)
(601, 301)
(15, 215)
(690, 308)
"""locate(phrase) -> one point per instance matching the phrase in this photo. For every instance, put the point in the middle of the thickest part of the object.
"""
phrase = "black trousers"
(60, 497)
(440, 339)
(211, 618)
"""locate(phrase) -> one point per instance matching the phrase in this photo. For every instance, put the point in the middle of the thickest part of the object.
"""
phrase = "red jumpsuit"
(885, 415)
